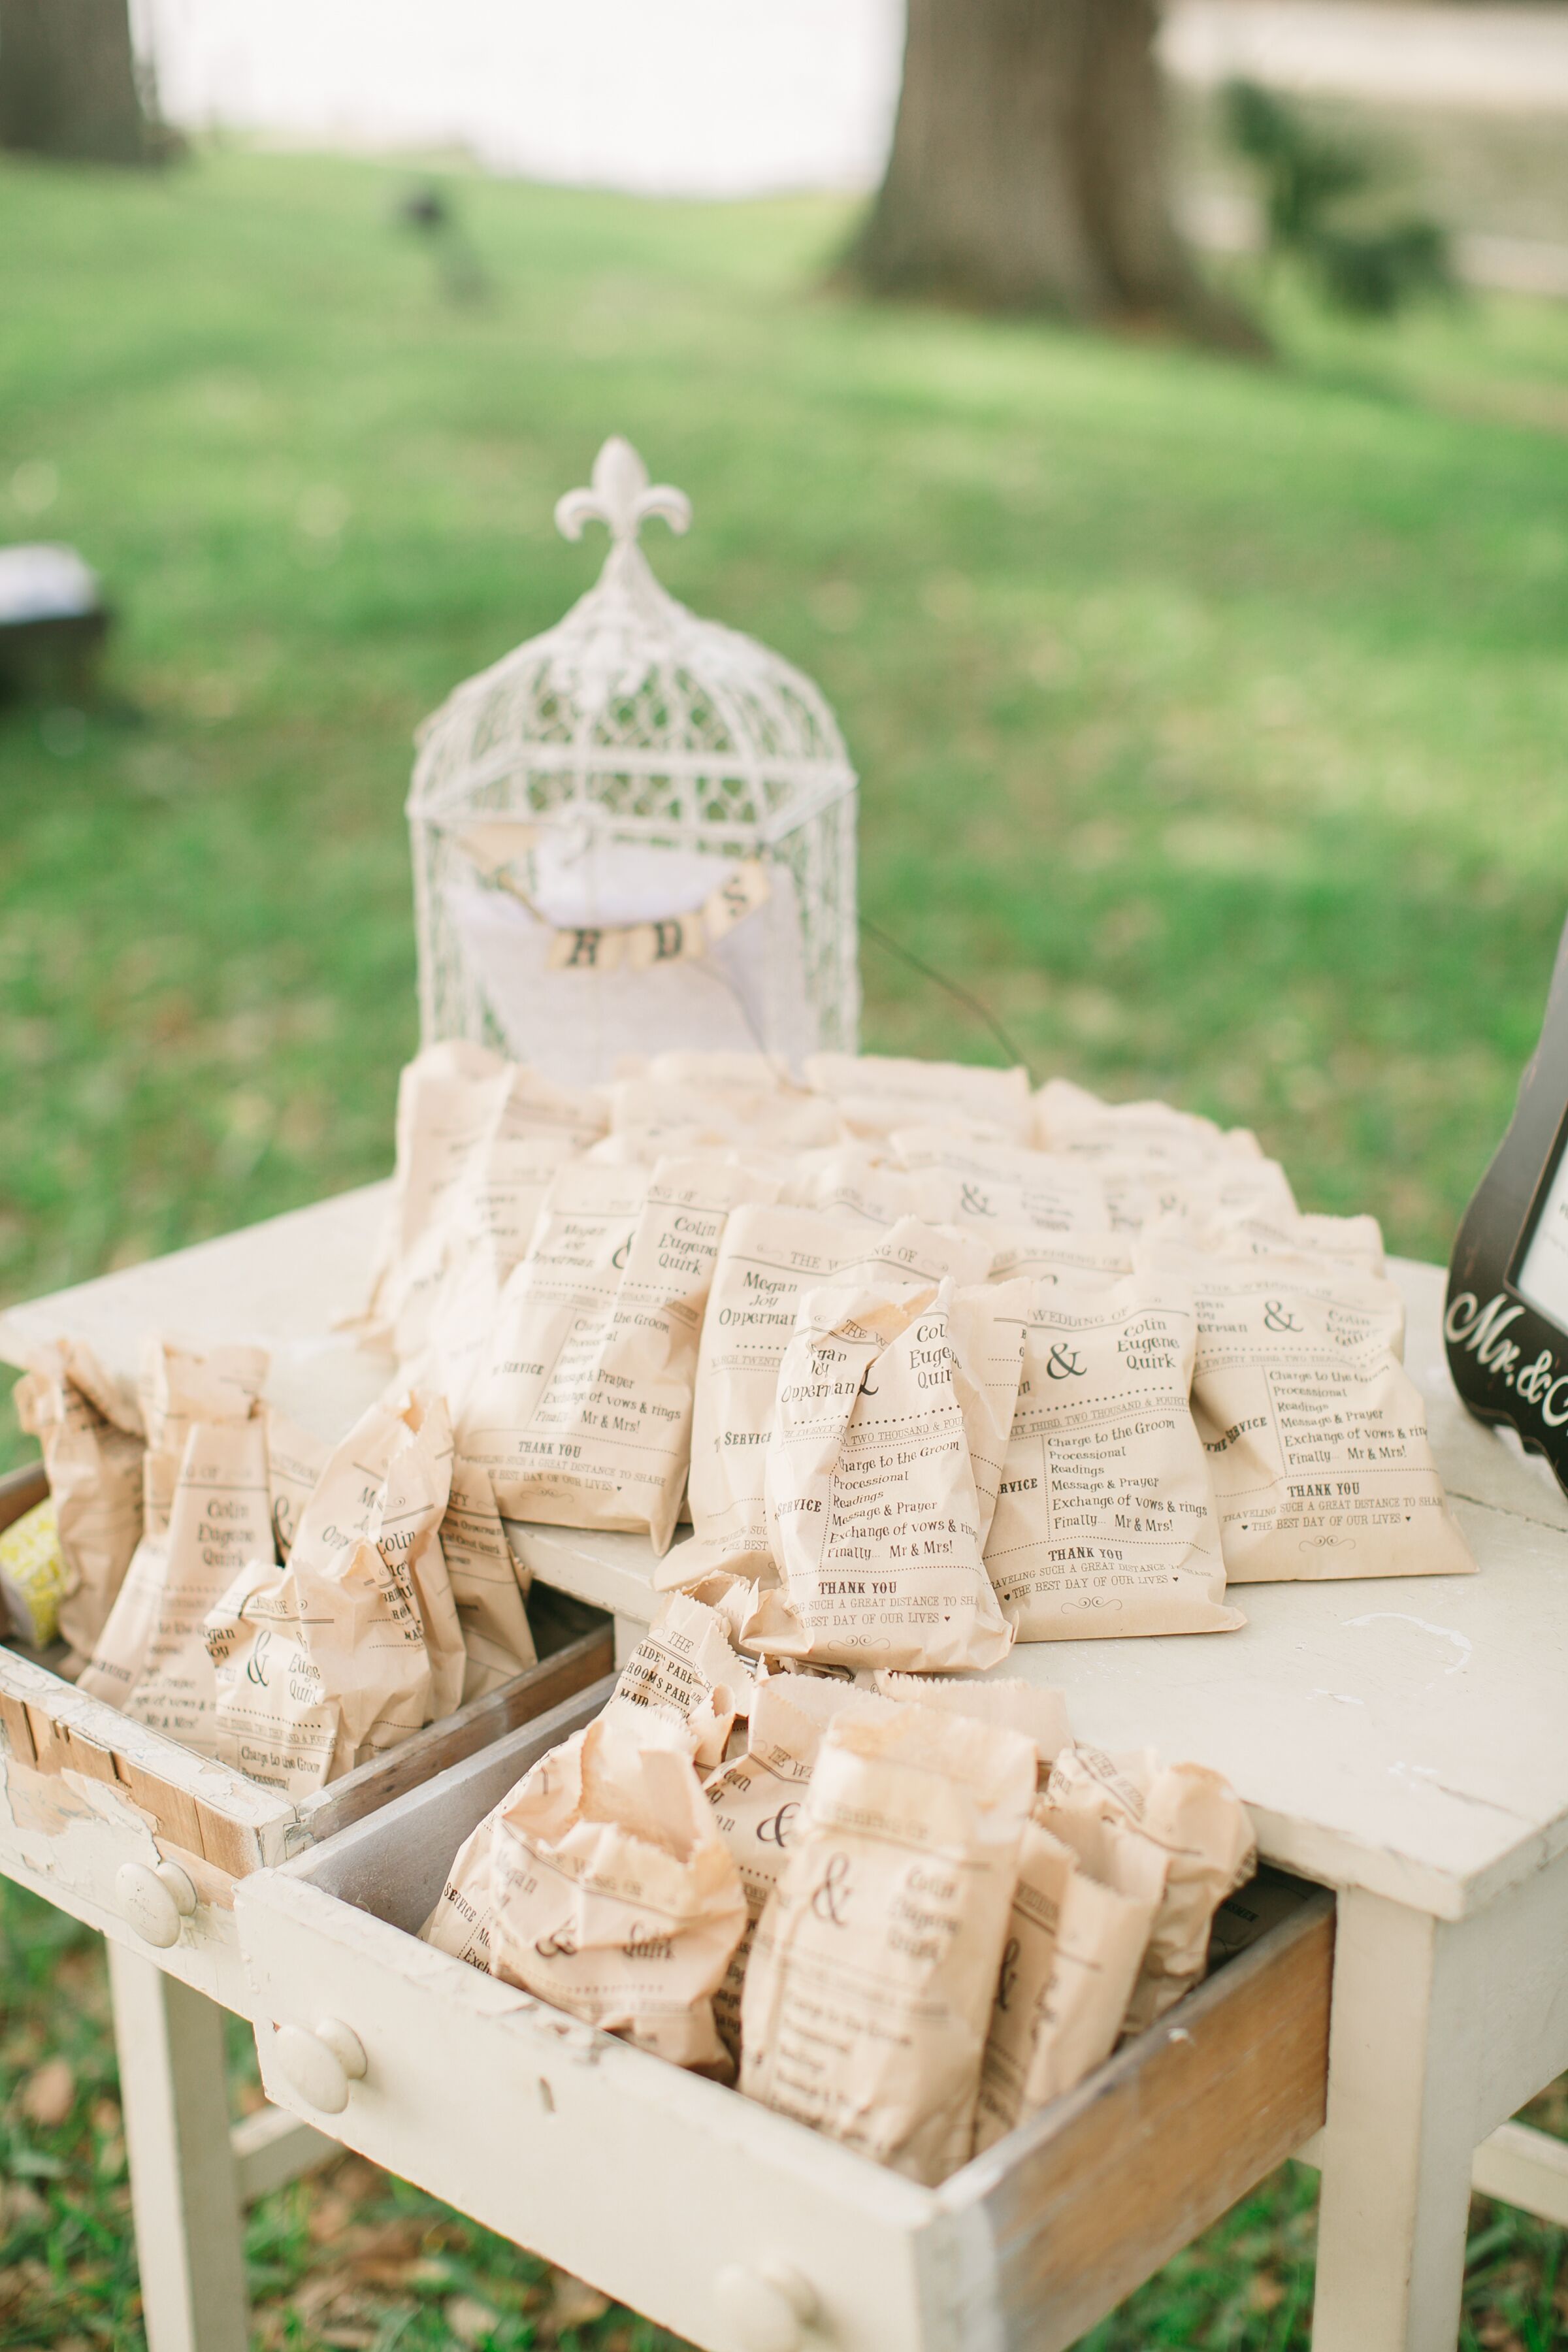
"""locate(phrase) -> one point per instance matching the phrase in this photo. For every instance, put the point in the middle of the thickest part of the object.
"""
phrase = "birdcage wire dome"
(635, 721)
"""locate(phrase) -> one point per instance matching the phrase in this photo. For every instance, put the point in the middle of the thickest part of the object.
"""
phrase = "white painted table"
(1403, 1741)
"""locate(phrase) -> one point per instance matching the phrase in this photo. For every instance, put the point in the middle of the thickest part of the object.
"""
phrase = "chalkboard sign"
(1506, 1323)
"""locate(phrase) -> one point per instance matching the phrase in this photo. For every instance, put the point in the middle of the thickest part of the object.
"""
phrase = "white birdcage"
(636, 832)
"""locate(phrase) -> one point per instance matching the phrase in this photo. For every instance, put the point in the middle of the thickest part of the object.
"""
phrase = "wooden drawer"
(738, 2228)
(91, 1803)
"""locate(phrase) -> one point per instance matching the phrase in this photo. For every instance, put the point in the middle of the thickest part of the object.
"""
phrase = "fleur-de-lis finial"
(622, 497)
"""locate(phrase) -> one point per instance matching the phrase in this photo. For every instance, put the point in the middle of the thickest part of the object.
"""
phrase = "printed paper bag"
(613, 1895)
(207, 1513)
(295, 1461)
(1138, 1193)
(867, 1997)
(357, 1643)
(1255, 1233)
(453, 1099)
(583, 1417)
(1315, 1432)
(876, 1093)
(319, 1666)
(853, 1181)
(178, 1388)
(1006, 1186)
(488, 1585)
(770, 1258)
(1068, 1118)
(757, 1800)
(1099, 1254)
(1193, 1818)
(449, 1098)
(876, 1476)
(389, 1484)
(1086, 1900)
(443, 1328)
(657, 1112)
(1036, 1709)
(1105, 1521)
(92, 1444)
(686, 1670)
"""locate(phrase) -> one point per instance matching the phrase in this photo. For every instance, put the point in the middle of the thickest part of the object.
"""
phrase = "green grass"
(1211, 721)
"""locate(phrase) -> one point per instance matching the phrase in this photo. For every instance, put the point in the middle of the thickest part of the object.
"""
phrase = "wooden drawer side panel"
(1129, 2169)
(20, 1490)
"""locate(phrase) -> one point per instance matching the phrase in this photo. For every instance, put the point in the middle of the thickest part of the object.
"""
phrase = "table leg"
(1397, 2145)
(1441, 2028)
(174, 2091)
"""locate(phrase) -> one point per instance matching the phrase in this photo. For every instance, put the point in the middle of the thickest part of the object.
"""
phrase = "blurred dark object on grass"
(71, 86)
(53, 624)
(1369, 267)
(427, 210)
(1029, 172)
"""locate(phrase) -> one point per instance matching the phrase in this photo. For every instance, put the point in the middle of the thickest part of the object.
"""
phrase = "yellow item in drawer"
(33, 1574)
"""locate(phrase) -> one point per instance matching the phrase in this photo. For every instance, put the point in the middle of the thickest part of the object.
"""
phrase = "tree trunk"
(68, 81)
(1028, 169)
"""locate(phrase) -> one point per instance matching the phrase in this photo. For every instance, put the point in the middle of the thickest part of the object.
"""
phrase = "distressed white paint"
(67, 1837)
(1440, 2030)
(173, 2090)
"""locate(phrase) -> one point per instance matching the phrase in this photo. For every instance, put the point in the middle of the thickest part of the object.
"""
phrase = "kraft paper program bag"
(854, 1180)
(757, 1798)
(486, 1224)
(1193, 1819)
(1105, 1522)
(93, 1444)
(876, 1093)
(356, 1643)
(1316, 1435)
(583, 1414)
(1088, 1894)
(686, 1670)
(1036, 1709)
(770, 1258)
(295, 1461)
(1005, 1185)
(683, 1671)
(882, 1474)
(613, 1895)
(867, 1997)
(658, 1113)
(451, 1100)
(1068, 1118)
(1138, 1193)
(206, 1512)
(488, 1585)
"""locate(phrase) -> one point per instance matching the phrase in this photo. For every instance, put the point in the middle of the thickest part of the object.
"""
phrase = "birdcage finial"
(621, 498)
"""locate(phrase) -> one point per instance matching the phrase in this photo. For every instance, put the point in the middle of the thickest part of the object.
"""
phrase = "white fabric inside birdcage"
(641, 750)
(745, 992)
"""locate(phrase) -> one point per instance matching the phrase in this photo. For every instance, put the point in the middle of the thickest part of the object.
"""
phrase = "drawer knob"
(320, 2066)
(154, 1902)
(767, 2309)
